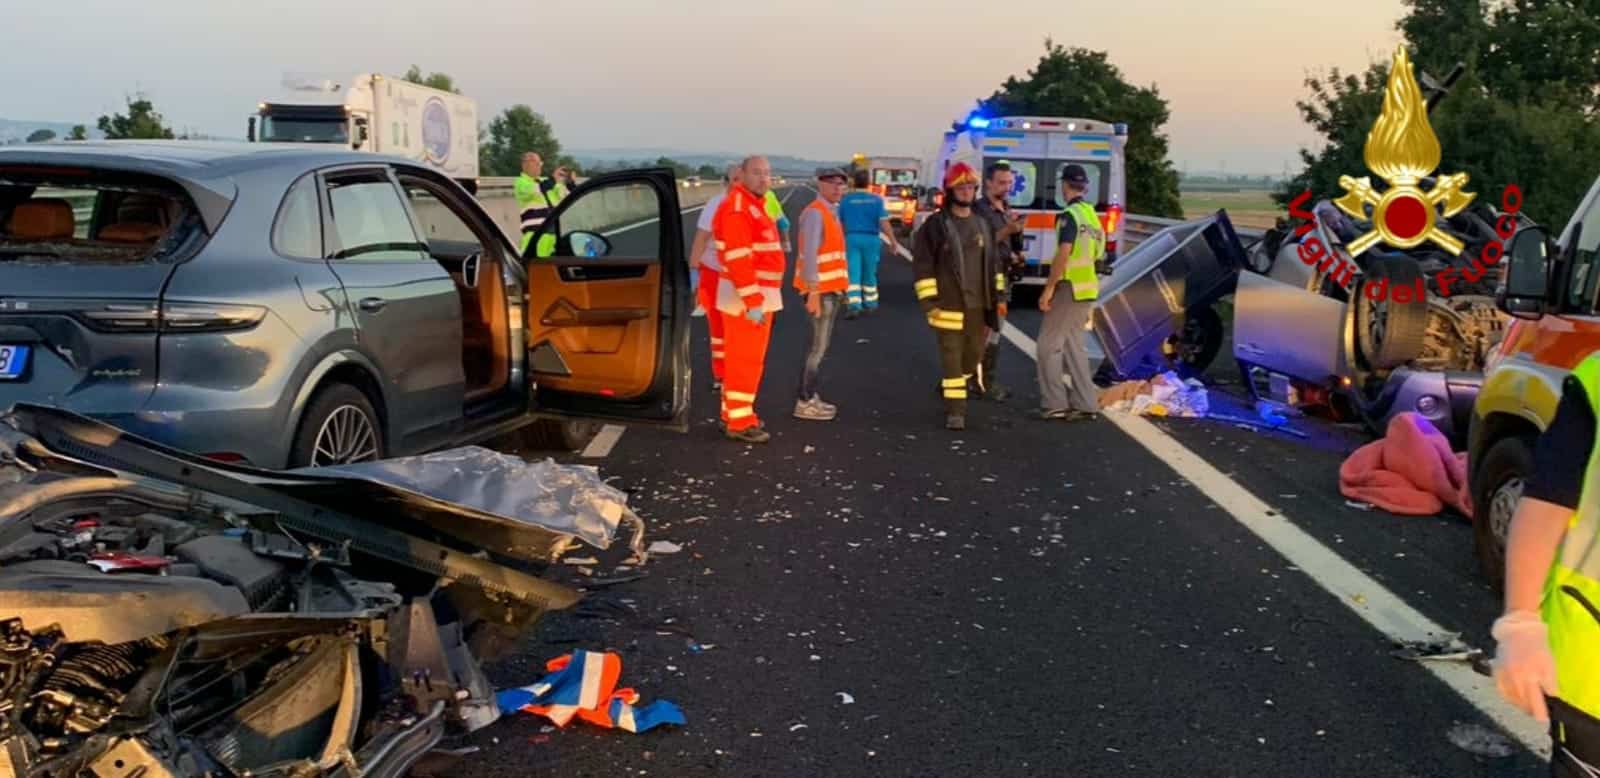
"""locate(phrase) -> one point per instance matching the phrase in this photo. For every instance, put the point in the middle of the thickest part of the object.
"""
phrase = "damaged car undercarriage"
(173, 616)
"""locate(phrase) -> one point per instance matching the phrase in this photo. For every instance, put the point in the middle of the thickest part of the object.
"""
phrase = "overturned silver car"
(166, 615)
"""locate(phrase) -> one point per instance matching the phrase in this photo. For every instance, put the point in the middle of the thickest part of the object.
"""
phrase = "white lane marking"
(604, 440)
(1369, 599)
(651, 220)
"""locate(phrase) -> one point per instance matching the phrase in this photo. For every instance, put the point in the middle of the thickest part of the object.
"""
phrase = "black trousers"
(959, 352)
(1576, 739)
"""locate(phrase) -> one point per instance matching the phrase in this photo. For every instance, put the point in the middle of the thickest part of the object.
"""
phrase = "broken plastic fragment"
(845, 699)
(664, 547)
(587, 560)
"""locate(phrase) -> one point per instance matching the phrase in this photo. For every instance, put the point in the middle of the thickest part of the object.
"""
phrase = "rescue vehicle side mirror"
(361, 132)
(250, 130)
(1525, 280)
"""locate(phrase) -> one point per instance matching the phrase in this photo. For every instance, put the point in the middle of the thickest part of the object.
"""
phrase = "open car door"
(609, 304)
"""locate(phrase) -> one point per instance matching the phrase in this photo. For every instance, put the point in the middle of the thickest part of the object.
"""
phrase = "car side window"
(610, 221)
(436, 217)
(370, 222)
(1585, 273)
(297, 232)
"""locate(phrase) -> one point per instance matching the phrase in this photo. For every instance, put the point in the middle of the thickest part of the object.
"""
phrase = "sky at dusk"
(820, 79)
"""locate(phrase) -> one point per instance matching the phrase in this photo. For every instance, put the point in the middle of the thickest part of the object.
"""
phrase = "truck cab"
(1037, 148)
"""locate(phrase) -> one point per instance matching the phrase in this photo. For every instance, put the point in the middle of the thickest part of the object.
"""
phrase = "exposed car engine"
(153, 629)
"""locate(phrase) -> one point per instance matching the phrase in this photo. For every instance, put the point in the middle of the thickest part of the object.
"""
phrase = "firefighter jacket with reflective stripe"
(752, 258)
(1571, 605)
(822, 266)
(1089, 246)
(536, 198)
(937, 264)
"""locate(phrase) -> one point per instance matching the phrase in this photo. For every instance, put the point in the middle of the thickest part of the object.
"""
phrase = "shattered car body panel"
(1142, 305)
(1299, 320)
(291, 630)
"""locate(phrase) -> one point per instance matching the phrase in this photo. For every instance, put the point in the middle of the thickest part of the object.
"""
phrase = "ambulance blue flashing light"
(978, 122)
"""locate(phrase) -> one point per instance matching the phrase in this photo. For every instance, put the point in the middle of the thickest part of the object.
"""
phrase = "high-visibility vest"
(752, 258)
(833, 272)
(534, 207)
(1571, 603)
(775, 210)
(1089, 246)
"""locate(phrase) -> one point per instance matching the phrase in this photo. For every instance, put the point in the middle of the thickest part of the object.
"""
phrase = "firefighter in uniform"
(538, 195)
(1080, 252)
(749, 293)
(1547, 653)
(956, 281)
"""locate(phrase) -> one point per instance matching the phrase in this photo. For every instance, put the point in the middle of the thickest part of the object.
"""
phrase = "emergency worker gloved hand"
(1524, 668)
(755, 315)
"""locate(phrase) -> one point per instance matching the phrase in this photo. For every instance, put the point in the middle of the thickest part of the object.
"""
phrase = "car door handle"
(372, 304)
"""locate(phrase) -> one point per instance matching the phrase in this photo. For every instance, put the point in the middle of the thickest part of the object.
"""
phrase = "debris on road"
(664, 547)
(583, 685)
(845, 699)
(1444, 648)
(1164, 395)
(580, 560)
(1482, 741)
(1360, 506)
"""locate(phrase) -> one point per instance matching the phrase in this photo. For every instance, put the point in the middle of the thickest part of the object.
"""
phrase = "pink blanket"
(1411, 471)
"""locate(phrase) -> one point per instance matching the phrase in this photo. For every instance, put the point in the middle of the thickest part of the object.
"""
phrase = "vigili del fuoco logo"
(1402, 150)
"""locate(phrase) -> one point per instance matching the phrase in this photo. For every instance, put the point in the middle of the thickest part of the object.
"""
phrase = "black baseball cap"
(1074, 174)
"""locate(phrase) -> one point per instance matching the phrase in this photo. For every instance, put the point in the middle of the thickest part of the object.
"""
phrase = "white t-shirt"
(708, 258)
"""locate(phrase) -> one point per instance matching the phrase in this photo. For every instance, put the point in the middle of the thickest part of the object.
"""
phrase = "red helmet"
(958, 174)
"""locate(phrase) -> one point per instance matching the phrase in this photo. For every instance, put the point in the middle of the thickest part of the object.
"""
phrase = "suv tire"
(341, 422)
(1498, 484)
(1388, 333)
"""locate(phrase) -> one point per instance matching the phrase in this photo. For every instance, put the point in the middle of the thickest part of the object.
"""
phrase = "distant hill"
(780, 163)
(17, 131)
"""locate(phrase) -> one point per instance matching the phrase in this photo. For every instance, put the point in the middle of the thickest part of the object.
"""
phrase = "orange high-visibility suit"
(751, 279)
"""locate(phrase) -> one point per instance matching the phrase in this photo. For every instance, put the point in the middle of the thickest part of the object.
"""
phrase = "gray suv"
(288, 306)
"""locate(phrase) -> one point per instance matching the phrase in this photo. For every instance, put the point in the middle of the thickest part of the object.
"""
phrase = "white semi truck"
(377, 113)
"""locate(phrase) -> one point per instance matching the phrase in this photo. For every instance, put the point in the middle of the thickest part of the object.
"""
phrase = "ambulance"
(1037, 148)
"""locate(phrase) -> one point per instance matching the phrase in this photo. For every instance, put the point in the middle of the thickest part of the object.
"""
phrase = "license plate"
(13, 361)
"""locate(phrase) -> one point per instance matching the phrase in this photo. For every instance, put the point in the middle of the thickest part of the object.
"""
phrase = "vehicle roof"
(207, 170)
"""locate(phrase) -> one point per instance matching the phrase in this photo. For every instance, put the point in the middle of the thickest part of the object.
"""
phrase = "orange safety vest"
(833, 274)
(752, 258)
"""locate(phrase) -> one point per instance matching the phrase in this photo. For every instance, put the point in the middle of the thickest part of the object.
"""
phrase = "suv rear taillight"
(173, 317)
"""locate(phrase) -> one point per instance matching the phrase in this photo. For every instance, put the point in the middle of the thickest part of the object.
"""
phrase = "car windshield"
(90, 219)
(284, 130)
(894, 177)
(1038, 182)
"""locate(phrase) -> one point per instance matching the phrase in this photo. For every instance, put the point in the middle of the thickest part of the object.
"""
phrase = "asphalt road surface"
(878, 596)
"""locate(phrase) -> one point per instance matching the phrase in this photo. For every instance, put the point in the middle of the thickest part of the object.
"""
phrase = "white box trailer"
(376, 113)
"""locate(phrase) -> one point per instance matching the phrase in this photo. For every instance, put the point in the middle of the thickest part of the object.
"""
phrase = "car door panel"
(608, 333)
(405, 305)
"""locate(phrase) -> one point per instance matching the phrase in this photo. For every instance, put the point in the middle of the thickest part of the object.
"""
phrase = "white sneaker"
(810, 410)
(830, 408)
(699, 311)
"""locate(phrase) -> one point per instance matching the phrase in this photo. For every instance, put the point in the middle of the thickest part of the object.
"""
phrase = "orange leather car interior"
(606, 331)
(47, 218)
(131, 232)
(486, 331)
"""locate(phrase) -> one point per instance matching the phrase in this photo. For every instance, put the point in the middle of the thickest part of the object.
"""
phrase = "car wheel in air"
(339, 427)
(1390, 333)
(1503, 476)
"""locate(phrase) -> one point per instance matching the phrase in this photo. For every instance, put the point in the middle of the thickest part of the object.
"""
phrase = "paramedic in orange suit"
(749, 294)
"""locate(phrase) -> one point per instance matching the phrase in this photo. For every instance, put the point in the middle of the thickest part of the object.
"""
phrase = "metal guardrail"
(1137, 227)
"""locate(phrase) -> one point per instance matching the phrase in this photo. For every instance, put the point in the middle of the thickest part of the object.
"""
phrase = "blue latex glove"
(783, 223)
(755, 315)
(694, 278)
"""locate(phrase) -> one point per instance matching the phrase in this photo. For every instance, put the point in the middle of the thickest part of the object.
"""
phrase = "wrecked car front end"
(172, 616)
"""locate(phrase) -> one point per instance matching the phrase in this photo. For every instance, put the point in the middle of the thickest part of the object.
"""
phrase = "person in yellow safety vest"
(1547, 653)
(1080, 247)
(537, 196)
(774, 208)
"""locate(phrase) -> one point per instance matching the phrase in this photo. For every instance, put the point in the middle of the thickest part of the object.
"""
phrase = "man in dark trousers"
(995, 208)
(956, 282)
